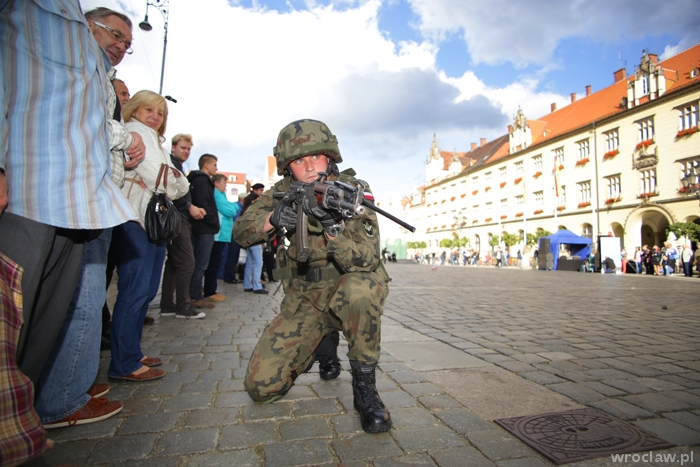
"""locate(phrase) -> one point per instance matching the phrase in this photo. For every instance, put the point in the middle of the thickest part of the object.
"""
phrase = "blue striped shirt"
(53, 90)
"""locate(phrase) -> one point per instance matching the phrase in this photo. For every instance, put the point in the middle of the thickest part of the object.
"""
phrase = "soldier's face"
(306, 169)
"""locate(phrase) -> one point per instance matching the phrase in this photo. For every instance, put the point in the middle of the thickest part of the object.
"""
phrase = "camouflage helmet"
(304, 138)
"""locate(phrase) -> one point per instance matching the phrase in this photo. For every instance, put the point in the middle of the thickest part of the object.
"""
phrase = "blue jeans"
(234, 252)
(139, 266)
(201, 247)
(253, 268)
(75, 357)
(639, 267)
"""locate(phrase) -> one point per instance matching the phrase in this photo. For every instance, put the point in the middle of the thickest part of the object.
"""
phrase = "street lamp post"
(690, 182)
(459, 219)
(164, 7)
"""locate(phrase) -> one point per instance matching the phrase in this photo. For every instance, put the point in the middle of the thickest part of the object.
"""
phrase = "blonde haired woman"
(139, 261)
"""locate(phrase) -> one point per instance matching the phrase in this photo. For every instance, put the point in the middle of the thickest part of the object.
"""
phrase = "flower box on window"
(561, 167)
(612, 200)
(504, 216)
(462, 195)
(537, 174)
(452, 199)
(644, 144)
(687, 132)
(488, 219)
(582, 161)
(518, 180)
(538, 211)
(429, 229)
(442, 201)
(474, 221)
(611, 154)
(475, 192)
(444, 226)
(684, 189)
(584, 204)
(487, 188)
(561, 208)
(648, 195)
(520, 214)
(503, 184)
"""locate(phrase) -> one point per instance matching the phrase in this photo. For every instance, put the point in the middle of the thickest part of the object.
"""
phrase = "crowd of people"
(70, 126)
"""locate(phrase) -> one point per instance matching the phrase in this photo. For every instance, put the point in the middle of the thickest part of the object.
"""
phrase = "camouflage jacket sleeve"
(248, 228)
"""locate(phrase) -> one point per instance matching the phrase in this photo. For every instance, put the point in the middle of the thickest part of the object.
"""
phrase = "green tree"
(510, 239)
(688, 230)
(533, 239)
(494, 241)
(417, 245)
(447, 243)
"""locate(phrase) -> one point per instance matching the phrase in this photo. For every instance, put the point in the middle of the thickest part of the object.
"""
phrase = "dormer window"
(694, 73)
(645, 84)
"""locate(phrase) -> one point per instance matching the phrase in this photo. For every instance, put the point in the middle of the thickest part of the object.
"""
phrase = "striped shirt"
(53, 89)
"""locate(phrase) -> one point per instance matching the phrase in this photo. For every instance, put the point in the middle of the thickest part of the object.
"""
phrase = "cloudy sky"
(385, 75)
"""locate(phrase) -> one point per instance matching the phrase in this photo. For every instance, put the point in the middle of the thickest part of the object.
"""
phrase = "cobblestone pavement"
(461, 346)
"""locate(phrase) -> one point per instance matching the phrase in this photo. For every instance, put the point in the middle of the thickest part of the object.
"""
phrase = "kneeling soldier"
(341, 285)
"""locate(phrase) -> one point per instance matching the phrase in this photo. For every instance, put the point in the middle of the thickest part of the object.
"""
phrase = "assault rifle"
(349, 200)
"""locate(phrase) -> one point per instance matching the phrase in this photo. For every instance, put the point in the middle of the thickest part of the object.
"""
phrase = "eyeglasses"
(118, 36)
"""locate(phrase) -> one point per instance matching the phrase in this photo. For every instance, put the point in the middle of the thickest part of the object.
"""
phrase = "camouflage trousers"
(285, 350)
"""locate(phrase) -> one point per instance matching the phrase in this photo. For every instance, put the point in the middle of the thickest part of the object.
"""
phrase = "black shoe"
(234, 281)
(261, 291)
(191, 313)
(104, 344)
(247, 290)
(328, 367)
(374, 416)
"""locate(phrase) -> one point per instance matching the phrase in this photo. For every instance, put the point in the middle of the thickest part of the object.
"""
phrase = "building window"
(613, 187)
(520, 200)
(475, 210)
(503, 173)
(539, 199)
(504, 205)
(645, 84)
(645, 130)
(584, 192)
(537, 161)
(612, 140)
(561, 199)
(487, 176)
(688, 117)
(584, 150)
(647, 180)
(489, 208)
(559, 156)
(587, 231)
(475, 183)
(477, 243)
(519, 168)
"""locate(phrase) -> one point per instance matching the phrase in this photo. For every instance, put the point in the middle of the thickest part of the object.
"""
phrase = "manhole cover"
(579, 434)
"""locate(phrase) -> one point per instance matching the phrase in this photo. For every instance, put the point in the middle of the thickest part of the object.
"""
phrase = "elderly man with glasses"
(66, 394)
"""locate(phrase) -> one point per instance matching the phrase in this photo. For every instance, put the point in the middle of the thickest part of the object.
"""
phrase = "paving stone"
(310, 452)
(603, 389)
(522, 462)
(335, 389)
(347, 424)
(577, 392)
(656, 403)
(393, 399)
(187, 402)
(421, 389)
(247, 435)
(189, 441)
(163, 388)
(243, 458)
(658, 384)
(460, 457)
(228, 399)
(292, 430)
(621, 409)
(365, 447)
(93, 430)
(684, 396)
(464, 421)
(279, 409)
(209, 417)
(65, 453)
(208, 387)
(123, 447)
(402, 377)
(670, 431)
(439, 402)
(416, 460)
(141, 405)
(423, 438)
(316, 407)
(542, 377)
(147, 423)
(498, 445)
(411, 417)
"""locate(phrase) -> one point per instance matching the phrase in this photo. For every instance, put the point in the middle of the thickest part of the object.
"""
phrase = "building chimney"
(483, 141)
(510, 129)
(553, 106)
(573, 97)
(588, 90)
(620, 74)
(473, 146)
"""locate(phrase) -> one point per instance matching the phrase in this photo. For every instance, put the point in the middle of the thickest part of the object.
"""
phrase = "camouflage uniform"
(348, 295)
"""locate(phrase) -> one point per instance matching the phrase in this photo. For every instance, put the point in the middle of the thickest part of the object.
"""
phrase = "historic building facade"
(608, 163)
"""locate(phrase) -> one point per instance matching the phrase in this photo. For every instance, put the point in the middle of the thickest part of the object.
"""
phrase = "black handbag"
(162, 218)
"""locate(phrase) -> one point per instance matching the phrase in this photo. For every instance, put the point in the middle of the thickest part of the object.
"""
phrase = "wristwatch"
(335, 229)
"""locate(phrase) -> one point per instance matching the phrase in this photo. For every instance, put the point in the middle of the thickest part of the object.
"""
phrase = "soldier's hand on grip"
(285, 214)
(328, 218)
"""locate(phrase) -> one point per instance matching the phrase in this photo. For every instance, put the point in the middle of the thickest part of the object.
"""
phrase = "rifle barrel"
(403, 224)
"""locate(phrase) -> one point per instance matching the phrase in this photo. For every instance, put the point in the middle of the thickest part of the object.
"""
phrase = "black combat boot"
(374, 416)
(327, 356)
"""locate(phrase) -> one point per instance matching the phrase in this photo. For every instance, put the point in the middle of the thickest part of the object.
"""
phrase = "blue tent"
(579, 246)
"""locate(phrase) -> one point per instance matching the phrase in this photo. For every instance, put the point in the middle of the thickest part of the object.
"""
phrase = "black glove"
(285, 214)
(327, 218)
